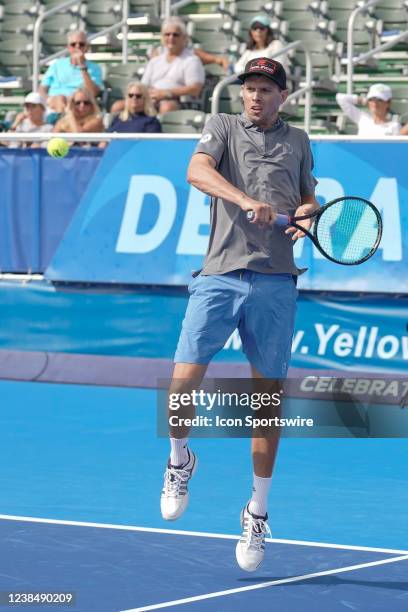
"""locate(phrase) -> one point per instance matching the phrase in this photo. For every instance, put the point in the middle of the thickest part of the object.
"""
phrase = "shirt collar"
(247, 123)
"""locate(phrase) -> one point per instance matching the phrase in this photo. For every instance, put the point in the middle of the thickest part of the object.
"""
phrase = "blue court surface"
(80, 480)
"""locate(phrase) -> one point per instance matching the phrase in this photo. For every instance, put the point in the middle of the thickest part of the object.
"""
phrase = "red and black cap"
(269, 68)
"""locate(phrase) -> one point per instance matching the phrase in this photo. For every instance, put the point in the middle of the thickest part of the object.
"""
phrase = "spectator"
(261, 43)
(67, 74)
(83, 114)
(176, 72)
(31, 119)
(138, 115)
(205, 57)
(377, 122)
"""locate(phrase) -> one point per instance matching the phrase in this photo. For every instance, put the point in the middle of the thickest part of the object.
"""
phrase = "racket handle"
(280, 219)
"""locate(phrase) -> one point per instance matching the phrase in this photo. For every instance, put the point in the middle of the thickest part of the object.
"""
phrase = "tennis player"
(256, 162)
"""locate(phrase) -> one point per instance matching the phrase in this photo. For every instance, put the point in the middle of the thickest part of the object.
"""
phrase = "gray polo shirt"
(273, 166)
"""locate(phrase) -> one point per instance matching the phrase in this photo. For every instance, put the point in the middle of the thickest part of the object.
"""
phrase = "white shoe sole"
(243, 563)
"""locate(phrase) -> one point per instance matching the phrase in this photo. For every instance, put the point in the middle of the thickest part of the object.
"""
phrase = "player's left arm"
(307, 184)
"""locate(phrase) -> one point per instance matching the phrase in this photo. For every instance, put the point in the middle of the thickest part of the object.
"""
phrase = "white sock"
(178, 453)
(259, 500)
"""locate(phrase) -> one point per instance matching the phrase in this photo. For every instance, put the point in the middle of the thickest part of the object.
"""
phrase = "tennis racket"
(346, 230)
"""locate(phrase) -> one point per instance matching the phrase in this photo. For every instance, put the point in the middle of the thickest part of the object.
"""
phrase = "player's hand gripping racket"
(346, 230)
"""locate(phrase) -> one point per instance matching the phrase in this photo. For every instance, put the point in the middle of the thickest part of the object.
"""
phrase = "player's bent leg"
(212, 314)
(182, 463)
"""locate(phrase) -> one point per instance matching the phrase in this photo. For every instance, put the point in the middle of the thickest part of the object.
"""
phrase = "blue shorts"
(261, 306)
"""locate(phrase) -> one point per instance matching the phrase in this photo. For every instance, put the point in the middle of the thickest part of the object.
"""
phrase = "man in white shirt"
(176, 72)
(377, 122)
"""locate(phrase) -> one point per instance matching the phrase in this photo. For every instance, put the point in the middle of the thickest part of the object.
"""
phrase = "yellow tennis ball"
(58, 147)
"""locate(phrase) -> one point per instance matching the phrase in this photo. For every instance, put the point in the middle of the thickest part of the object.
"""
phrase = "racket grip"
(280, 219)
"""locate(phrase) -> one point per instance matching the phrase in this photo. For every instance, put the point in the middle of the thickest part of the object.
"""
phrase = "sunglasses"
(257, 26)
(78, 44)
(84, 102)
(137, 96)
(29, 105)
(174, 34)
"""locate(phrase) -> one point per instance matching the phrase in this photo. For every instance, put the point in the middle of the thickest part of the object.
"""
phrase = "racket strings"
(348, 230)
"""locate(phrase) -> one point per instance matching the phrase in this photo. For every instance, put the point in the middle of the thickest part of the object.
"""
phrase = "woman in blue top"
(138, 114)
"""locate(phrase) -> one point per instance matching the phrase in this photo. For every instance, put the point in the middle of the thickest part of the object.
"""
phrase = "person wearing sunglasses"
(260, 43)
(83, 114)
(176, 71)
(67, 74)
(31, 119)
(138, 114)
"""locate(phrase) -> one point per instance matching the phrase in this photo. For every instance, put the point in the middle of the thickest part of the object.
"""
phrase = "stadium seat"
(231, 100)
(21, 7)
(399, 105)
(103, 13)
(183, 121)
(215, 36)
(147, 10)
(245, 10)
(394, 14)
(16, 56)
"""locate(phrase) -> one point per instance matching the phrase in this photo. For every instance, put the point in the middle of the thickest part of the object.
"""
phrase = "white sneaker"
(174, 497)
(250, 549)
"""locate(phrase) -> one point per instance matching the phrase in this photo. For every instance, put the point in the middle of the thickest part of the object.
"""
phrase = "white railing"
(89, 137)
(37, 63)
(108, 137)
(306, 90)
(351, 60)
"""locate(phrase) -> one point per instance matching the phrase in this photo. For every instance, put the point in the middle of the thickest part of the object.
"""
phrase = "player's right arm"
(203, 173)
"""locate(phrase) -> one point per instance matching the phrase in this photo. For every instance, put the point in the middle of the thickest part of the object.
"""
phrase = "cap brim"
(245, 75)
(377, 97)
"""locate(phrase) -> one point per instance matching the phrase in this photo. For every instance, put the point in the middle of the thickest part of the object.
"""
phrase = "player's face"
(262, 99)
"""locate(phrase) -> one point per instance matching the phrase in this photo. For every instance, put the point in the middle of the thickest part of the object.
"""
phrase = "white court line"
(264, 585)
(200, 534)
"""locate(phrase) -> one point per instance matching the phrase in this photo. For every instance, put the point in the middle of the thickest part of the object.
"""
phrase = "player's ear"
(284, 95)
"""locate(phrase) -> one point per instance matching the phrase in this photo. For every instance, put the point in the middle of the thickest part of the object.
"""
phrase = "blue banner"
(38, 199)
(350, 333)
(344, 333)
(140, 221)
